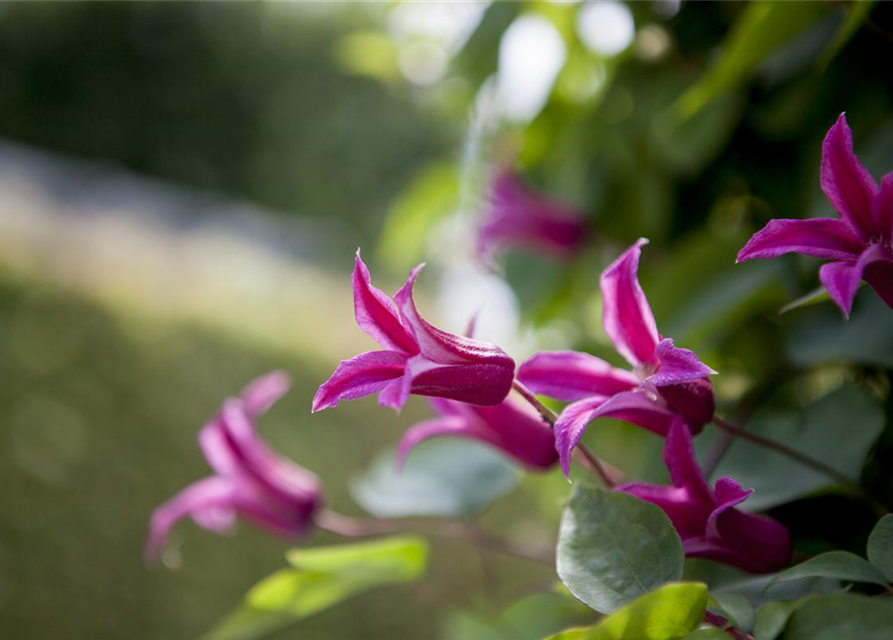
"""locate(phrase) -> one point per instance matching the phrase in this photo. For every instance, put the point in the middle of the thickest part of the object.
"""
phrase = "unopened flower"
(706, 519)
(250, 481)
(858, 243)
(511, 426)
(416, 357)
(665, 381)
(517, 216)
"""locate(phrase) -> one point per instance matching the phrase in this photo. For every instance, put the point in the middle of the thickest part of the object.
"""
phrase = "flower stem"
(467, 531)
(605, 473)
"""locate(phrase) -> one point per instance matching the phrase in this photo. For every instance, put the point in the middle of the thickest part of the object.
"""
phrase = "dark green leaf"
(840, 565)
(613, 547)
(668, 613)
(737, 610)
(880, 546)
(841, 617)
(445, 477)
(771, 619)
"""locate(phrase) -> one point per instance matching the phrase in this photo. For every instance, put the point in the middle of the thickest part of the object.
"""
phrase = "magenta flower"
(665, 381)
(250, 480)
(416, 357)
(511, 426)
(707, 522)
(518, 216)
(858, 244)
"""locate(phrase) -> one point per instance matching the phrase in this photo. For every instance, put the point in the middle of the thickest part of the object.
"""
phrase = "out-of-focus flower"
(707, 522)
(511, 426)
(250, 481)
(858, 243)
(665, 381)
(517, 216)
(416, 357)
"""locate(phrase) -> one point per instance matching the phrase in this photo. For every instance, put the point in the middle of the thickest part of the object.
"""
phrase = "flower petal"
(882, 207)
(397, 391)
(263, 393)
(571, 426)
(518, 430)
(848, 185)
(693, 400)
(571, 375)
(518, 216)
(687, 515)
(627, 317)
(677, 366)
(880, 276)
(679, 456)
(376, 313)
(210, 498)
(750, 542)
(478, 384)
(360, 376)
(818, 237)
(842, 279)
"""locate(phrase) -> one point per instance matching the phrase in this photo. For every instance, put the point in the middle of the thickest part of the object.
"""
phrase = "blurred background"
(182, 188)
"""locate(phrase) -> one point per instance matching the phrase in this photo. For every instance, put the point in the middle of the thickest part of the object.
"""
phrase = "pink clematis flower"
(416, 357)
(707, 522)
(665, 381)
(858, 243)
(518, 216)
(250, 480)
(511, 426)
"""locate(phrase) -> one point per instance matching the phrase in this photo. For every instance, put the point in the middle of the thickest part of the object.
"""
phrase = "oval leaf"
(841, 565)
(613, 547)
(841, 617)
(880, 546)
(441, 478)
(668, 613)
(771, 619)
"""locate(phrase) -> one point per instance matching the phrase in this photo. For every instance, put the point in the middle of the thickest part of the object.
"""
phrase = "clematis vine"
(858, 243)
(518, 216)
(665, 381)
(511, 426)
(250, 480)
(415, 357)
(706, 519)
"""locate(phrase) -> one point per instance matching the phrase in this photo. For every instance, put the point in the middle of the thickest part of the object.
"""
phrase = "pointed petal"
(360, 376)
(571, 426)
(376, 313)
(818, 237)
(210, 498)
(679, 456)
(677, 365)
(570, 375)
(518, 216)
(436, 427)
(627, 317)
(396, 393)
(728, 494)
(478, 384)
(842, 279)
(848, 185)
(263, 393)
(220, 453)
(882, 207)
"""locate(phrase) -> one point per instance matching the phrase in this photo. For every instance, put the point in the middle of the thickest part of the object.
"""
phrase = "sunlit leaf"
(668, 613)
(445, 477)
(613, 547)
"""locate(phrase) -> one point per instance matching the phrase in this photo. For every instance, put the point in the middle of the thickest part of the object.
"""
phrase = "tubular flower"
(665, 381)
(250, 480)
(511, 426)
(707, 522)
(858, 243)
(518, 216)
(416, 357)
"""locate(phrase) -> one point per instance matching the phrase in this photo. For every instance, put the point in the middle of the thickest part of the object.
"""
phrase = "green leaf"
(841, 617)
(840, 565)
(857, 12)
(838, 429)
(737, 609)
(322, 577)
(529, 618)
(880, 546)
(762, 28)
(668, 613)
(613, 547)
(432, 194)
(446, 477)
(771, 619)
